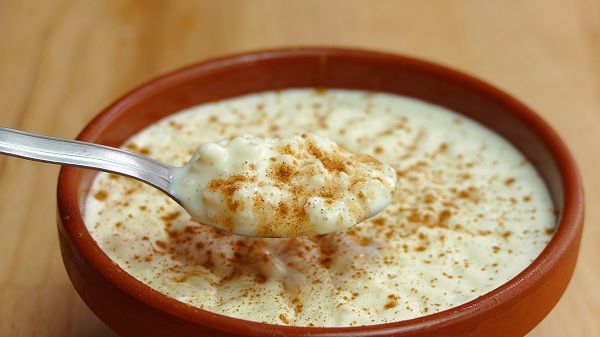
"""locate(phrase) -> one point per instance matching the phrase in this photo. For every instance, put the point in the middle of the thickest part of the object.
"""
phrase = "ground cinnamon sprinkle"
(464, 194)
(145, 151)
(378, 221)
(284, 172)
(429, 198)
(330, 161)
(100, 195)
(287, 150)
(298, 306)
(170, 216)
(442, 148)
(284, 319)
(132, 147)
(282, 209)
(230, 185)
(235, 205)
(161, 244)
(392, 302)
(443, 217)
(260, 278)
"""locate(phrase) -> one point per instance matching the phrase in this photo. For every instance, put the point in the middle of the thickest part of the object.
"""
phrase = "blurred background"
(62, 61)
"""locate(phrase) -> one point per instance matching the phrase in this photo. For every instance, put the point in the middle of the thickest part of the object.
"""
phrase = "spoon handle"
(75, 153)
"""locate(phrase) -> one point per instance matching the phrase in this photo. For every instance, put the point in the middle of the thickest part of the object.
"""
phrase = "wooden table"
(63, 61)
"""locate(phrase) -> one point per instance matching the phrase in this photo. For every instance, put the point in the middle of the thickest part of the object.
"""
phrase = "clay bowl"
(133, 309)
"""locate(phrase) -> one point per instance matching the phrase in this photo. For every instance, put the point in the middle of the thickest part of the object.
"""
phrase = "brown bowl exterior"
(133, 309)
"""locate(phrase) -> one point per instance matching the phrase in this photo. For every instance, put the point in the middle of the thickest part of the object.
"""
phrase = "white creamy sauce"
(282, 187)
(469, 212)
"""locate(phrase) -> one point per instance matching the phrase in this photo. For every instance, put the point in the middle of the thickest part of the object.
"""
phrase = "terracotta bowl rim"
(566, 231)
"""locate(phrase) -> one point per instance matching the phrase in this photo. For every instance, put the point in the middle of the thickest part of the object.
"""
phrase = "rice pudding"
(469, 213)
(289, 186)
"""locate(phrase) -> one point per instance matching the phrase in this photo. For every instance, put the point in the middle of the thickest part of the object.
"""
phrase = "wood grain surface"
(63, 61)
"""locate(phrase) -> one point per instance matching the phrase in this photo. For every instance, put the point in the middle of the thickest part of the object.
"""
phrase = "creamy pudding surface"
(469, 213)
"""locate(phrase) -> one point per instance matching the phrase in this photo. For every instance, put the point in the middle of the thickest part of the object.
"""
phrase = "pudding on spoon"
(282, 187)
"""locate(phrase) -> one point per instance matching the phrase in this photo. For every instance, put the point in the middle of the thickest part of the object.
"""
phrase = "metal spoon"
(75, 153)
